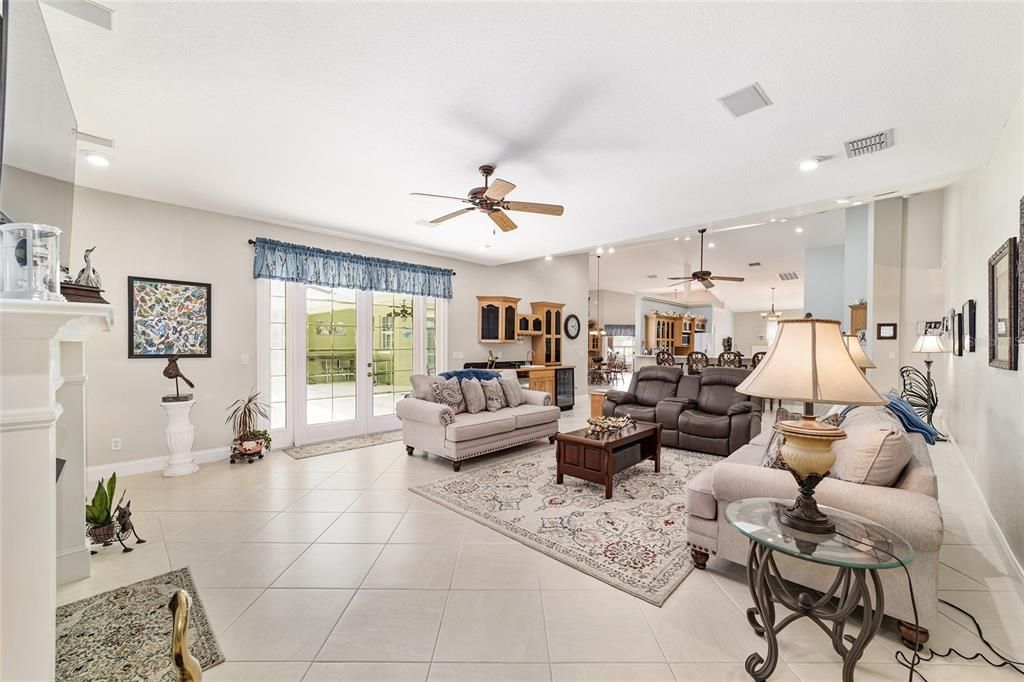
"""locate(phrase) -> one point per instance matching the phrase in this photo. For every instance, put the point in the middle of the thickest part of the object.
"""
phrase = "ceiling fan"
(490, 199)
(704, 276)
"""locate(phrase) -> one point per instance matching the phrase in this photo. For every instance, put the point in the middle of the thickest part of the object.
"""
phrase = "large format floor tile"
(387, 625)
(285, 625)
(428, 567)
(590, 626)
(330, 566)
(492, 626)
(328, 569)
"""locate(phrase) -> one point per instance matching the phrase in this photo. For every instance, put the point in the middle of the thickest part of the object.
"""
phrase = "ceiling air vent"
(745, 100)
(788, 276)
(869, 144)
(885, 194)
(755, 264)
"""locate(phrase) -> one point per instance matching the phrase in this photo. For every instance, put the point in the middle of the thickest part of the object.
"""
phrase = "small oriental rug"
(343, 444)
(125, 633)
(635, 541)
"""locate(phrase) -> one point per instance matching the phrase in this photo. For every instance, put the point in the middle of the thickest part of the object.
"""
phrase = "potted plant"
(99, 514)
(244, 415)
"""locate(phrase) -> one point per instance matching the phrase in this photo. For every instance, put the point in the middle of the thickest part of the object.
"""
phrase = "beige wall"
(145, 238)
(749, 329)
(33, 198)
(617, 307)
(985, 404)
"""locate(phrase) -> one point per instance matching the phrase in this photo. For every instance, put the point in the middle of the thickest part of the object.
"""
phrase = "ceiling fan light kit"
(490, 199)
(704, 277)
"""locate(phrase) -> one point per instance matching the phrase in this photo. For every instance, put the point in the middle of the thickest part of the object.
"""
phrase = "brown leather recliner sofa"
(701, 413)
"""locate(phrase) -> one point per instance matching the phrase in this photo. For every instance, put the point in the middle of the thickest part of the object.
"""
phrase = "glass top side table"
(855, 549)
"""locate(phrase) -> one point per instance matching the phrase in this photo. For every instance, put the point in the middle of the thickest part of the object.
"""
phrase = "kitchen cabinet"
(547, 346)
(496, 319)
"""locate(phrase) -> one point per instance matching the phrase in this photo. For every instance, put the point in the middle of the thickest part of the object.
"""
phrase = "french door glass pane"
(330, 355)
(431, 340)
(278, 352)
(393, 343)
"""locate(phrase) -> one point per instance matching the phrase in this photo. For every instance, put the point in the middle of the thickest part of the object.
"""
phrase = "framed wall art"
(1003, 285)
(1020, 278)
(958, 334)
(168, 317)
(885, 331)
(970, 312)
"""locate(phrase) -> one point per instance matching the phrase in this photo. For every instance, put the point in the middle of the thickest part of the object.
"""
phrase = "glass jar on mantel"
(30, 262)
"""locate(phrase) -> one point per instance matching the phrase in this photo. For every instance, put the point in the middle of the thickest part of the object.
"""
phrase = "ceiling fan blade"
(708, 284)
(680, 278)
(727, 279)
(439, 196)
(498, 189)
(502, 220)
(529, 207)
(453, 214)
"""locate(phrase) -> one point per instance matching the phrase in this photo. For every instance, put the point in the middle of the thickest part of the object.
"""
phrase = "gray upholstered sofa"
(436, 429)
(909, 507)
(697, 412)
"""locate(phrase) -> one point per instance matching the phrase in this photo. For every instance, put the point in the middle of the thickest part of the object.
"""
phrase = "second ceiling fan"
(490, 199)
(705, 277)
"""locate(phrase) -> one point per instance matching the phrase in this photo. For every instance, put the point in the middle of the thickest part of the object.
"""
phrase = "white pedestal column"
(32, 371)
(180, 434)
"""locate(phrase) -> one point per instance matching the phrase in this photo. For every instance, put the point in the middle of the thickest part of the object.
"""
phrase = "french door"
(353, 354)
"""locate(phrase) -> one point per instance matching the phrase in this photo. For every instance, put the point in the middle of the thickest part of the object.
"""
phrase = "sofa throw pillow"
(449, 393)
(463, 374)
(473, 393)
(421, 386)
(513, 392)
(773, 453)
(494, 397)
(872, 454)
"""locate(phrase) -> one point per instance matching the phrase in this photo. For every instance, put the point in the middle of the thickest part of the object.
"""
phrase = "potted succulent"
(244, 415)
(99, 514)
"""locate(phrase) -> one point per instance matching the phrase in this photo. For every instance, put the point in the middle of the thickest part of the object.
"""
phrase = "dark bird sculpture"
(172, 371)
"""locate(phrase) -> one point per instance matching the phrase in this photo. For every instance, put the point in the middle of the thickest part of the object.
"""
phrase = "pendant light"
(600, 329)
(772, 315)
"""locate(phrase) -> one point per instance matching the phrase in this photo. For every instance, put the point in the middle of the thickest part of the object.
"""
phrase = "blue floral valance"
(620, 329)
(337, 269)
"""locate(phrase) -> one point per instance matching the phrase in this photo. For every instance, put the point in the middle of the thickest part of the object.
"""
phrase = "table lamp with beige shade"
(860, 358)
(809, 362)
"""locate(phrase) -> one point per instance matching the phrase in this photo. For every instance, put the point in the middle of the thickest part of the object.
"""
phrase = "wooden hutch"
(672, 332)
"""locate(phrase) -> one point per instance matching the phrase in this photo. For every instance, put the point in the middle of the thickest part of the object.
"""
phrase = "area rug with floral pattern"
(635, 541)
(125, 633)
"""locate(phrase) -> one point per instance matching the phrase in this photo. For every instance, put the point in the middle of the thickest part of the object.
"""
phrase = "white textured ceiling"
(777, 246)
(328, 114)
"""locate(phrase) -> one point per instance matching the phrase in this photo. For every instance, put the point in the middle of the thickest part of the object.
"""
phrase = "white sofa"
(436, 429)
(909, 507)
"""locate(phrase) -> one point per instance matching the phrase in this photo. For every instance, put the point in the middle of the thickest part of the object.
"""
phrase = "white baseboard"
(1001, 541)
(149, 464)
(73, 564)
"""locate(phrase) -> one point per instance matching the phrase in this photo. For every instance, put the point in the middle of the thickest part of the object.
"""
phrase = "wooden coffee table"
(599, 458)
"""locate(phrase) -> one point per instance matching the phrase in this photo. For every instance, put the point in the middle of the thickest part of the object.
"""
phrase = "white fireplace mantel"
(42, 417)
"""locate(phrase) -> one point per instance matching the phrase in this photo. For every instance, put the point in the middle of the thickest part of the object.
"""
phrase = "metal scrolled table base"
(850, 588)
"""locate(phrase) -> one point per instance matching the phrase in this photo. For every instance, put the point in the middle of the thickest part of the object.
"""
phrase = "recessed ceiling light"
(799, 229)
(611, 249)
(772, 220)
(857, 203)
(600, 249)
(547, 257)
(782, 220)
(812, 163)
(686, 239)
(842, 201)
(711, 245)
(97, 159)
(675, 239)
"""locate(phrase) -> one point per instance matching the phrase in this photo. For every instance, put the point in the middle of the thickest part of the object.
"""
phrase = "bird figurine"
(88, 276)
(172, 371)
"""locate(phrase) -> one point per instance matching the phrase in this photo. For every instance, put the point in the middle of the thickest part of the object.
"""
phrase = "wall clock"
(572, 326)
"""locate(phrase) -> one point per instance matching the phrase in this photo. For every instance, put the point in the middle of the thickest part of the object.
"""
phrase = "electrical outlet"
(245, 358)
(115, 444)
